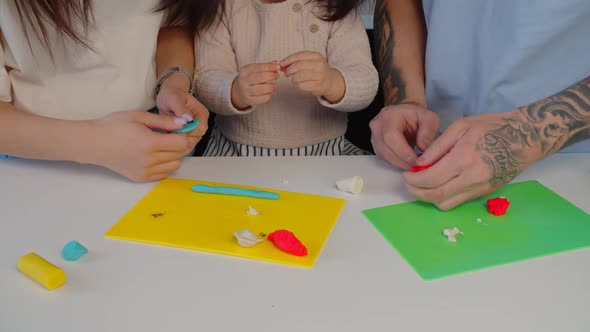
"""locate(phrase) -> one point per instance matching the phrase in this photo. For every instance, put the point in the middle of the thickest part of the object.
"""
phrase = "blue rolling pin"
(233, 191)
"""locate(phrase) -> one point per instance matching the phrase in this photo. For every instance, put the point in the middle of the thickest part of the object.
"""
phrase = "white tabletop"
(359, 283)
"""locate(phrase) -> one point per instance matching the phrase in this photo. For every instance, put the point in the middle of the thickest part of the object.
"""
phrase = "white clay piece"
(246, 238)
(285, 181)
(451, 233)
(252, 211)
(353, 185)
(481, 222)
(187, 117)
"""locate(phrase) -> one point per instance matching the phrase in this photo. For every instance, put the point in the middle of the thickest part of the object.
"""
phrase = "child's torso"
(267, 32)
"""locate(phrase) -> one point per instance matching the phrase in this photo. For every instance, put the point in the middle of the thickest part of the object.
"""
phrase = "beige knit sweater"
(253, 32)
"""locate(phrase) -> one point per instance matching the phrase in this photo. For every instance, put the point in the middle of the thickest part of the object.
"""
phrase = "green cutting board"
(539, 222)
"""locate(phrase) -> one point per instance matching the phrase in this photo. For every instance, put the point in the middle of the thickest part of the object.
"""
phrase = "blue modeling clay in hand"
(205, 189)
(73, 250)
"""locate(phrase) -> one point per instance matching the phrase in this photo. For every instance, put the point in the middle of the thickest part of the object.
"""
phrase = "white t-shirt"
(78, 83)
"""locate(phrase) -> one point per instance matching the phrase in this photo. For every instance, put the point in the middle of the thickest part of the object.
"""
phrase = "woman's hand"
(125, 143)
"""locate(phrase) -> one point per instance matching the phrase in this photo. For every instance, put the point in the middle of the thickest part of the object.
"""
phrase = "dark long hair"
(71, 18)
(335, 10)
(64, 15)
(203, 13)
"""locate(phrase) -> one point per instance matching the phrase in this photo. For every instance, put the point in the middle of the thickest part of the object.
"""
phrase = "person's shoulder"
(236, 7)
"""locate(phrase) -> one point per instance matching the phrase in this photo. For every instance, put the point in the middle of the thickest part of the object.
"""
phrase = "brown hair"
(203, 13)
(338, 9)
(64, 15)
(71, 18)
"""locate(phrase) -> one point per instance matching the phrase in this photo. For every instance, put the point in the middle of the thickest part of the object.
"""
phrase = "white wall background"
(367, 7)
(366, 11)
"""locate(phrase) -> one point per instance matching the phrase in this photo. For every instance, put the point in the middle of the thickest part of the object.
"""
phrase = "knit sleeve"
(216, 70)
(5, 94)
(349, 52)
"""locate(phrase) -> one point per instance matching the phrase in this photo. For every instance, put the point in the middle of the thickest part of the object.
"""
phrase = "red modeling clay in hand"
(287, 242)
(420, 168)
(498, 206)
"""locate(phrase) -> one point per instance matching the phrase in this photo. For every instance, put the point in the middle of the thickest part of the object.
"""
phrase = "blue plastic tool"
(233, 191)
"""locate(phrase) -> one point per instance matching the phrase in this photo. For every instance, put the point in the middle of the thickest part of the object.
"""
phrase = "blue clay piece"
(73, 250)
(205, 189)
(187, 127)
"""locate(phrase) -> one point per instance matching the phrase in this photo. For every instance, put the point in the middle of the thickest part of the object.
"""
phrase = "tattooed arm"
(475, 155)
(400, 40)
(561, 120)
(536, 131)
(405, 122)
(479, 154)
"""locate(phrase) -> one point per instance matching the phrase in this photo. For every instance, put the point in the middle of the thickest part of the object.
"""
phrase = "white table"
(359, 282)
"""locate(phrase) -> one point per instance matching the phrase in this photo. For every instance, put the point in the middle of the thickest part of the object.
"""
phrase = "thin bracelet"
(169, 73)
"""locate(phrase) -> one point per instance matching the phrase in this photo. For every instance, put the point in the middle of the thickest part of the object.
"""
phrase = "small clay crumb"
(252, 211)
(450, 234)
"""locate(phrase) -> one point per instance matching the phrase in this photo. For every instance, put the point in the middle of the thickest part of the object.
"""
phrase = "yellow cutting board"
(171, 214)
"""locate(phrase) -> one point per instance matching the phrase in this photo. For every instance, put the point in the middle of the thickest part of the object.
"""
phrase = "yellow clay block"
(42, 271)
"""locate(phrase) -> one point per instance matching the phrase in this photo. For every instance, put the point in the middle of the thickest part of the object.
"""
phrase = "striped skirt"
(220, 146)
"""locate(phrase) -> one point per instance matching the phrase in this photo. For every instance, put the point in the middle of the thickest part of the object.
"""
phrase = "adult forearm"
(562, 119)
(26, 135)
(400, 41)
(175, 49)
(537, 130)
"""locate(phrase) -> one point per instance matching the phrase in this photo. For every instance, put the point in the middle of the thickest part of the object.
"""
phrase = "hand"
(310, 72)
(125, 143)
(254, 84)
(474, 157)
(398, 128)
(177, 101)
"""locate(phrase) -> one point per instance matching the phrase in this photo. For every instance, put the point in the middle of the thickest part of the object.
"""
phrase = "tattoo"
(543, 127)
(502, 151)
(392, 82)
(563, 119)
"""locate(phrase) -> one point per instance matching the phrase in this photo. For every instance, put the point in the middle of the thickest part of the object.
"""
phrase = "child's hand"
(254, 84)
(309, 71)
